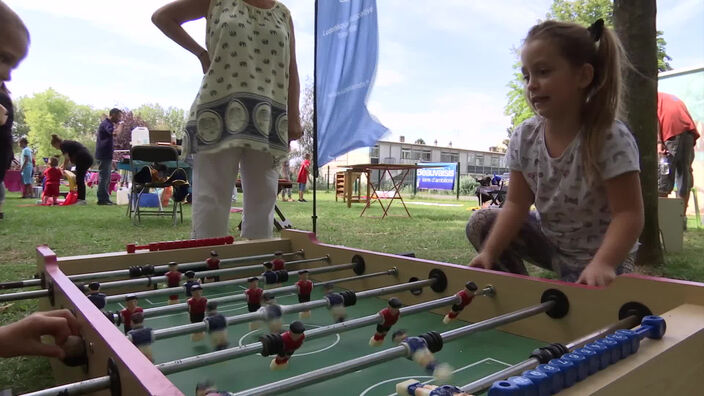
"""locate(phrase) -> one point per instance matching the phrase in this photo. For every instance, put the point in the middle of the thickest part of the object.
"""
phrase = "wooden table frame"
(386, 169)
(671, 366)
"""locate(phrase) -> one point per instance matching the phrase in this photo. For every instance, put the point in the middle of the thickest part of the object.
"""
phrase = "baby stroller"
(493, 190)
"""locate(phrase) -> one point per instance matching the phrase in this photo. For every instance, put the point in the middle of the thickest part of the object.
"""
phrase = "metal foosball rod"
(232, 282)
(485, 383)
(285, 309)
(201, 274)
(192, 362)
(159, 269)
(148, 281)
(180, 307)
(402, 350)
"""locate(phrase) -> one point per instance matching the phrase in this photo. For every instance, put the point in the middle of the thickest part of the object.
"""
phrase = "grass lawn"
(434, 232)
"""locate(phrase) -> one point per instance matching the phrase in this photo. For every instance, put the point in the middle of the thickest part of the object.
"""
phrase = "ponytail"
(603, 102)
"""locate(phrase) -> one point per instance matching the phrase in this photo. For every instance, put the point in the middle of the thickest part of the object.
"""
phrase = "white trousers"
(214, 177)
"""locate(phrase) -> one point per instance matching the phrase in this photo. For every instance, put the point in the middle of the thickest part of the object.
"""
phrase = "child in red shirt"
(303, 177)
(52, 181)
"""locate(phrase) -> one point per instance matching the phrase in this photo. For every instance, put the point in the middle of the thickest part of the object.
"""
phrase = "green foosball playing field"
(471, 357)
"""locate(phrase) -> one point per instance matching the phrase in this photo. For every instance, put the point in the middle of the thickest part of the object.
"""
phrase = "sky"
(442, 73)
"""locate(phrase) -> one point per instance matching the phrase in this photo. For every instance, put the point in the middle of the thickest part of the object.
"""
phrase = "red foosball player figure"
(254, 299)
(190, 281)
(142, 337)
(213, 263)
(173, 279)
(420, 354)
(303, 288)
(196, 309)
(278, 263)
(292, 340)
(95, 296)
(272, 313)
(388, 317)
(466, 295)
(216, 326)
(130, 309)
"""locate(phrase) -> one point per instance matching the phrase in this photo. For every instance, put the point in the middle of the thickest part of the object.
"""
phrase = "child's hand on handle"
(597, 274)
(23, 337)
(482, 260)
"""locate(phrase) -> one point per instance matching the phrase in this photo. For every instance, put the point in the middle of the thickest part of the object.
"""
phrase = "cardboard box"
(159, 136)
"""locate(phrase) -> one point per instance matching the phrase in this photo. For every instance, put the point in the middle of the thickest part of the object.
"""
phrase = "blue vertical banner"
(441, 176)
(347, 52)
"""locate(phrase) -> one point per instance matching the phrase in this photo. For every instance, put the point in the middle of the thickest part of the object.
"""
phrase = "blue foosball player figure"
(142, 337)
(95, 296)
(272, 313)
(336, 304)
(414, 387)
(419, 353)
(190, 282)
(216, 326)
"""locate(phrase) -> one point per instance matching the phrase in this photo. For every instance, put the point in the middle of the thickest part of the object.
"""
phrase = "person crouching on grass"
(575, 160)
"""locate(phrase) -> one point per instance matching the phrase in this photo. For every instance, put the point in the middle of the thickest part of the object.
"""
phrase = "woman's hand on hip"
(295, 131)
(204, 58)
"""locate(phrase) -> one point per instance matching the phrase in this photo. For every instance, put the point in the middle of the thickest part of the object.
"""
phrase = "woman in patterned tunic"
(246, 111)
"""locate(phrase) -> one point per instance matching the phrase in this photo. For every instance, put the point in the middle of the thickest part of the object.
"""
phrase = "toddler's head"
(53, 162)
(14, 43)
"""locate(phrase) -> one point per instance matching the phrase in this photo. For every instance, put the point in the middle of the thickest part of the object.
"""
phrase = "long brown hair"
(55, 139)
(600, 47)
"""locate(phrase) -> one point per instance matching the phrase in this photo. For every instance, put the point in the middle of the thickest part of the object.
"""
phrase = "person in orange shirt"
(676, 138)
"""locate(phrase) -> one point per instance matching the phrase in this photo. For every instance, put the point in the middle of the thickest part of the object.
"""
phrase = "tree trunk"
(634, 22)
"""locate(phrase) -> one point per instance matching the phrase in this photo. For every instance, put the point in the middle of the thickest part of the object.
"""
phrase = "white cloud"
(474, 18)
(470, 121)
(681, 13)
(130, 19)
(386, 77)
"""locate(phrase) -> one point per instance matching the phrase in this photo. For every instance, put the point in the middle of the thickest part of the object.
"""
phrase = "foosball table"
(369, 324)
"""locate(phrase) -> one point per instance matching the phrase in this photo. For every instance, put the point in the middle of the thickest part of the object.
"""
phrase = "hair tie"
(596, 29)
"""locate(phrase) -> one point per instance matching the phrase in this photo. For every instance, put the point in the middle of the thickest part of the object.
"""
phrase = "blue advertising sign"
(348, 41)
(441, 177)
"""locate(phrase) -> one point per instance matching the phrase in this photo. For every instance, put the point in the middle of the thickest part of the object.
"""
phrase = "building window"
(479, 159)
(494, 161)
(470, 158)
(449, 157)
(425, 155)
(406, 153)
(374, 152)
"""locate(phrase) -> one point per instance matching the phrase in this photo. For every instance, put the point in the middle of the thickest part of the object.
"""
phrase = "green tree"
(305, 143)
(19, 126)
(420, 141)
(584, 12)
(156, 117)
(46, 113)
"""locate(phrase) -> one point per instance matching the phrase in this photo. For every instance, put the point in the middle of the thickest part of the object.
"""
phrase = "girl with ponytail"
(575, 161)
